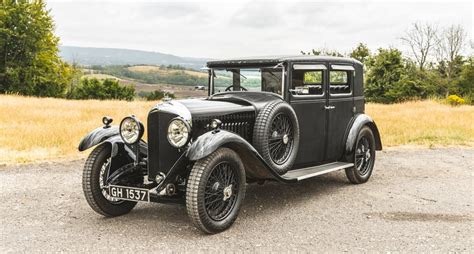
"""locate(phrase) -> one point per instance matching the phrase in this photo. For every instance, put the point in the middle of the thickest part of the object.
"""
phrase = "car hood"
(204, 107)
(228, 103)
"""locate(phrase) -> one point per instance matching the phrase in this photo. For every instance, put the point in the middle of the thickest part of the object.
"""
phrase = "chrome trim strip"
(325, 171)
(342, 67)
(309, 67)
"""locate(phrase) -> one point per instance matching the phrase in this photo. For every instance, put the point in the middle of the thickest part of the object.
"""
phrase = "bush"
(455, 100)
(102, 90)
(156, 95)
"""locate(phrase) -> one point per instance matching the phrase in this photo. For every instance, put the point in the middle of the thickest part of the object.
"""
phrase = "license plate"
(129, 193)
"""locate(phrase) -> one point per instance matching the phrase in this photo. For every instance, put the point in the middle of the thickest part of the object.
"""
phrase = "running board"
(305, 173)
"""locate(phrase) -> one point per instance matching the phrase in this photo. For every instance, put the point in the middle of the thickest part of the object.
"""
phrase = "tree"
(29, 60)
(450, 45)
(422, 39)
(361, 53)
(156, 95)
(465, 83)
(102, 90)
(385, 70)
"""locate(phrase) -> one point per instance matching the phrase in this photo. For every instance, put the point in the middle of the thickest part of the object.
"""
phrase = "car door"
(339, 108)
(307, 88)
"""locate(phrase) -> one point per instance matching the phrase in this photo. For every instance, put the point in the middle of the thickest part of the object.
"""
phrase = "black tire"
(266, 137)
(363, 157)
(206, 187)
(91, 182)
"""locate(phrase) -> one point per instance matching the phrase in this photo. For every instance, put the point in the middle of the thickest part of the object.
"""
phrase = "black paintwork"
(97, 136)
(236, 110)
(255, 166)
(329, 123)
(358, 122)
(110, 135)
(256, 99)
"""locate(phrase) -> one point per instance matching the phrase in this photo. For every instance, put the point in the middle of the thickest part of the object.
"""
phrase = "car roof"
(267, 60)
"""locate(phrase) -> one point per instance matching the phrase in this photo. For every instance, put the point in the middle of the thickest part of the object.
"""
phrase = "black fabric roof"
(268, 60)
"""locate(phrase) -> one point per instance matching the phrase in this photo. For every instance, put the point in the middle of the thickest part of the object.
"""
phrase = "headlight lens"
(130, 130)
(178, 133)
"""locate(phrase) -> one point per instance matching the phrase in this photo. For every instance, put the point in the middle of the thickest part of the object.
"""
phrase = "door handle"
(329, 107)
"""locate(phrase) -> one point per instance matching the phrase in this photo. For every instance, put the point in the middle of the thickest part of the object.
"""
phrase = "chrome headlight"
(178, 132)
(131, 130)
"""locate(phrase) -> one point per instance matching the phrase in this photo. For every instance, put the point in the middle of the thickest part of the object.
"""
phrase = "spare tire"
(276, 135)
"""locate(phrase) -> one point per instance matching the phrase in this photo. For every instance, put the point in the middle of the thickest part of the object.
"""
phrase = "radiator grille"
(239, 123)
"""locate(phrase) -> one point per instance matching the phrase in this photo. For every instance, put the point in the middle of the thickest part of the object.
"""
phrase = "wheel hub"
(285, 139)
(227, 192)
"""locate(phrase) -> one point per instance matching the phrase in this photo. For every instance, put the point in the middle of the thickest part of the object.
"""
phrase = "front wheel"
(215, 190)
(94, 184)
(363, 156)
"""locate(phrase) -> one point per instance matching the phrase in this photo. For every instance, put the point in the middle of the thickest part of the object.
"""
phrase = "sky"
(222, 29)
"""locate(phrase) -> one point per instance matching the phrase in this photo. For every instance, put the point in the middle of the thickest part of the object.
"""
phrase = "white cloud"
(242, 28)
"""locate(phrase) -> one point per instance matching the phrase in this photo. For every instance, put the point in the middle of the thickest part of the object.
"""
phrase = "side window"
(340, 82)
(307, 82)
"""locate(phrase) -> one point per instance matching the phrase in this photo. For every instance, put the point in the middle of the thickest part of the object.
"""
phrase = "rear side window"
(339, 82)
(307, 82)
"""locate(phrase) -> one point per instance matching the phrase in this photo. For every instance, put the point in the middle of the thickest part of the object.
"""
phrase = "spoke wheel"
(363, 156)
(221, 191)
(103, 176)
(94, 179)
(215, 190)
(276, 135)
(280, 141)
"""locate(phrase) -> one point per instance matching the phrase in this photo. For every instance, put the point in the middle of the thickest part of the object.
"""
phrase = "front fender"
(360, 121)
(111, 136)
(97, 136)
(211, 141)
(255, 166)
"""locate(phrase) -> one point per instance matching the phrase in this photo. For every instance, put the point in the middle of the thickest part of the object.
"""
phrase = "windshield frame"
(212, 76)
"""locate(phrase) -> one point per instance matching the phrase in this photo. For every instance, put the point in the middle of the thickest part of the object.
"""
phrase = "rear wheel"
(364, 157)
(94, 184)
(215, 190)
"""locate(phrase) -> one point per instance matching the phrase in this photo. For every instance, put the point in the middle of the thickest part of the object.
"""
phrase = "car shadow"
(260, 200)
(274, 196)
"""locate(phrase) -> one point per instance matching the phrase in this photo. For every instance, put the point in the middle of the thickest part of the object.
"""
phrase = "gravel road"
(417, 200)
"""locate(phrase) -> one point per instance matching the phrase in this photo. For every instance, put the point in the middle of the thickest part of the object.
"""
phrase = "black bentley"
(280, 119)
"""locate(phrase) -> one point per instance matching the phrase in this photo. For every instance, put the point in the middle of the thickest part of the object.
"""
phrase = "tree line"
(435, 66)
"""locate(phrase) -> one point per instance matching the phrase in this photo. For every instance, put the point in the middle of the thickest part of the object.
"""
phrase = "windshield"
(267, 79)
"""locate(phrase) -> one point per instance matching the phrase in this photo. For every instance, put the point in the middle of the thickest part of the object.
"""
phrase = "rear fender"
(360, 121)
(255, 165)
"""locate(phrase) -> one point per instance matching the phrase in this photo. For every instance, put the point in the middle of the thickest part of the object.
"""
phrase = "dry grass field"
(428, 123)
(38, 129)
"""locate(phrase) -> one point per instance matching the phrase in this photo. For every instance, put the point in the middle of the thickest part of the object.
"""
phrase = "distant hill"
(110, 56)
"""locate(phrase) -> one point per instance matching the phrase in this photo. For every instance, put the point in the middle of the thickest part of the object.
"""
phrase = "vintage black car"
(280, 119)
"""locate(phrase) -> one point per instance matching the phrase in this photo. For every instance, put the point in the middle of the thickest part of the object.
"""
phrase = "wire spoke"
(217, 203)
